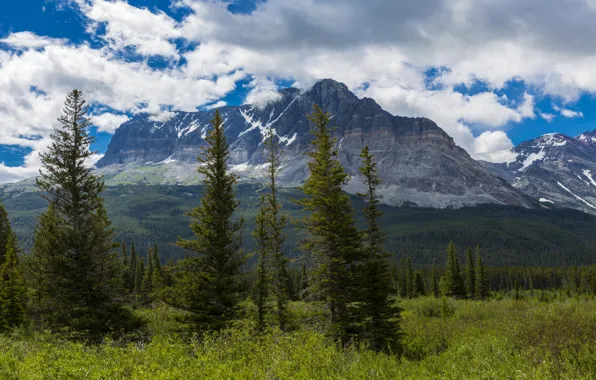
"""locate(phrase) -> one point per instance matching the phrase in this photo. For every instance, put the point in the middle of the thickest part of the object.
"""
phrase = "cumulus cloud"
(548, 116)
(301, 41)
(218, 104)
(571, 114)
(263, 91)
(108, 122)
(28, 40)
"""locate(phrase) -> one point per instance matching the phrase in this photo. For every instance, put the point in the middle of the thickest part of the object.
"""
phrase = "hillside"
(508, 235)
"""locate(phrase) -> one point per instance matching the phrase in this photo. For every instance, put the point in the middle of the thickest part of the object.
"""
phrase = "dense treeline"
(509, 236)
(81, 284)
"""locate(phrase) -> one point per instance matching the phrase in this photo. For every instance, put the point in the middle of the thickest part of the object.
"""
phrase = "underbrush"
(473, 340)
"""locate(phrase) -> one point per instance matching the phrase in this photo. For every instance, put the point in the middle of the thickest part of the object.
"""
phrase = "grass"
(500, 339)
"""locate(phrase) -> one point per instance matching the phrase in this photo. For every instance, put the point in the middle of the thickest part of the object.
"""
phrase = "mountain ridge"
(419, 163)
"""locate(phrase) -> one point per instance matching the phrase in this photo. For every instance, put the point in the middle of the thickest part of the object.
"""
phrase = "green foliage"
(482, 286)
(13, 294)
(470, 274)
(333, 239)
(75, 275)
(452, 284)
(377, 311)
(263, 283)
(480, 340)
(207, 284)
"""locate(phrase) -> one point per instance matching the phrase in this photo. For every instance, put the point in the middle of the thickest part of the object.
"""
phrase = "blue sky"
(492, 75)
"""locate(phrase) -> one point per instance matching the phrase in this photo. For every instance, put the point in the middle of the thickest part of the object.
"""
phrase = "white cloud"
(548, 116)
(162, 116)
(127, 25)
(263, 91)
(219, 104)
(303, 41)
(108, 122)
(571, 114)
(28, 40)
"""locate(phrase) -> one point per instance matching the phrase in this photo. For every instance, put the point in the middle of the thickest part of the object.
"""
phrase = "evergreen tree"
(76, 276)
(434, 283)
(378, 312)
(139, 276)
(451, 283)
(12, 286)
(304, 283)
(402, 278)
(276, 221)
(156, 260)
(333, 239)
(482, 286)
(470, 274)
(208, 284)
(419, 289)
(6, 233)
(263, 279)
(409, 279)
(125, 266)
(147, 284)
(133, 265)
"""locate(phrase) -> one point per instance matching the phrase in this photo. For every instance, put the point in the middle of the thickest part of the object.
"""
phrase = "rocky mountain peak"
(418, 162)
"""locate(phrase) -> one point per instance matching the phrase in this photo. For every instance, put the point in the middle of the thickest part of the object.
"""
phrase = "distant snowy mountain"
(418, 162)
(556, 169)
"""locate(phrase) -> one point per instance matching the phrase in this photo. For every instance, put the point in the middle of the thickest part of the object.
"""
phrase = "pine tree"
(276, 222)
(482, 286)
(402, 278)
(125, 266)
(156, 260)
(6, 232)
(434, 283)
(133, 265)
(333, 239)
(379, 315)
(263, 283)
(470, 274)
(147, 284)
(76, 276)
(304, 283)
(139, 276)
(451, 283)
(409, 279)
(419, 289)
(12, 286)
(208, 284)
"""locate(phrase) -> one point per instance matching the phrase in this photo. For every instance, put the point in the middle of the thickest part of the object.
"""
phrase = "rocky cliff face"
(418, 161)
(558, 170)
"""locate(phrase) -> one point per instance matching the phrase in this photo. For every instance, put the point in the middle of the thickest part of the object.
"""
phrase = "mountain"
(418, 162)
(556, 169)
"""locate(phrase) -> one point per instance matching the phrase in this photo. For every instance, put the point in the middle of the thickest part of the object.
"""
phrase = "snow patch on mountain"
(576, 196)
(530, 159)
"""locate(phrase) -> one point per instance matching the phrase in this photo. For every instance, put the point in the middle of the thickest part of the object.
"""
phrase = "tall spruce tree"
(378, 312)
(208, 284)
(75, 274)
(147, 285)
(6, 232)
(482, 285)
(263, 283)
(333, 239)
(304, 285)
(12, 286)
(470, 274)
(132, 268)
(452, 284)
(409, 279)
(434, 282)
(276, 222)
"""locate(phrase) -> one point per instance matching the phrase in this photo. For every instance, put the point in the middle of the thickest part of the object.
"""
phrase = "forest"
(236, 295)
